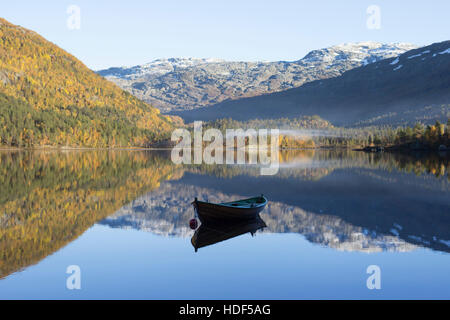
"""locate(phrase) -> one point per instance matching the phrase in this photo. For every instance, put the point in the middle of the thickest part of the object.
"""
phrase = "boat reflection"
(210, 233)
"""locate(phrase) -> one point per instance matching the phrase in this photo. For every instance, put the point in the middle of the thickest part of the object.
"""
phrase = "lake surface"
(123, 218)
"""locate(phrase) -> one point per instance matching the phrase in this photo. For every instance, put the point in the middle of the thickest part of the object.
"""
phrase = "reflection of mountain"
(364, 202)
(330, 231)
(48, 199)
(162, 212)
(418, 204)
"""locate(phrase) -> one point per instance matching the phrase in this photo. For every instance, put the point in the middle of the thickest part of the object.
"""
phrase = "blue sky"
(117, 33)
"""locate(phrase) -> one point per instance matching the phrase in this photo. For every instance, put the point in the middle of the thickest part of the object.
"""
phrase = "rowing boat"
(245, 209)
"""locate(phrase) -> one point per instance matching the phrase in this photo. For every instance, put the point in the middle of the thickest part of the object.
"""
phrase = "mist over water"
(313, 133)
(298, 133)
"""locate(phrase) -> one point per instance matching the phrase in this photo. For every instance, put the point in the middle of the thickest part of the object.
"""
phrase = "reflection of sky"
(300, 163)
(308, 163)
(137, 265)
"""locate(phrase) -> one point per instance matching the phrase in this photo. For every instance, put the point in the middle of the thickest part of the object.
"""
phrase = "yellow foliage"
(47, 77)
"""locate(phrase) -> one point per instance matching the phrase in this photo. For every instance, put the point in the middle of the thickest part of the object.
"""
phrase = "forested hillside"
(48, 97)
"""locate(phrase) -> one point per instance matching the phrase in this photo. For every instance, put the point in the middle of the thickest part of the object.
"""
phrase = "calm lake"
(123, 218)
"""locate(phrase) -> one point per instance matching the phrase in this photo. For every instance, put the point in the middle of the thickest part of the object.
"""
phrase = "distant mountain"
(48, 97)
(156, 68)
(414, 86)
(182, 84)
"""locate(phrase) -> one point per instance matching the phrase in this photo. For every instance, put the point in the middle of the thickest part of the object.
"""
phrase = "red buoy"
(193, 224)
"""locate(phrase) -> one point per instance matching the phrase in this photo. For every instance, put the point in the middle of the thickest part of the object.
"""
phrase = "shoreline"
(380, 149)
(50, 148)
(400, 150)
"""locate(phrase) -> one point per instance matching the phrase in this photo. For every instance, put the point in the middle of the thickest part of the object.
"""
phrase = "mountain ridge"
(399, 90)
(178, 84)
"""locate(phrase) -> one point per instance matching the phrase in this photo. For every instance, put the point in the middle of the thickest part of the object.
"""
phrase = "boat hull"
(208, 212)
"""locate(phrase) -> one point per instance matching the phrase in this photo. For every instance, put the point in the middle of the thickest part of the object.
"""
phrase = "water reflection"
(212, 233)
(48, 199)
(340, 199)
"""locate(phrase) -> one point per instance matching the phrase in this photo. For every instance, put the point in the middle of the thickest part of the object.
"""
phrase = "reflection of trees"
(49, 199)
(315, 164)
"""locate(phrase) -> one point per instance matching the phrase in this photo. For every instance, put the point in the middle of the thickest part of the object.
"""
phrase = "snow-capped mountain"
(360, 52)
(155, 68)
(402, 90)
(189, 83)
